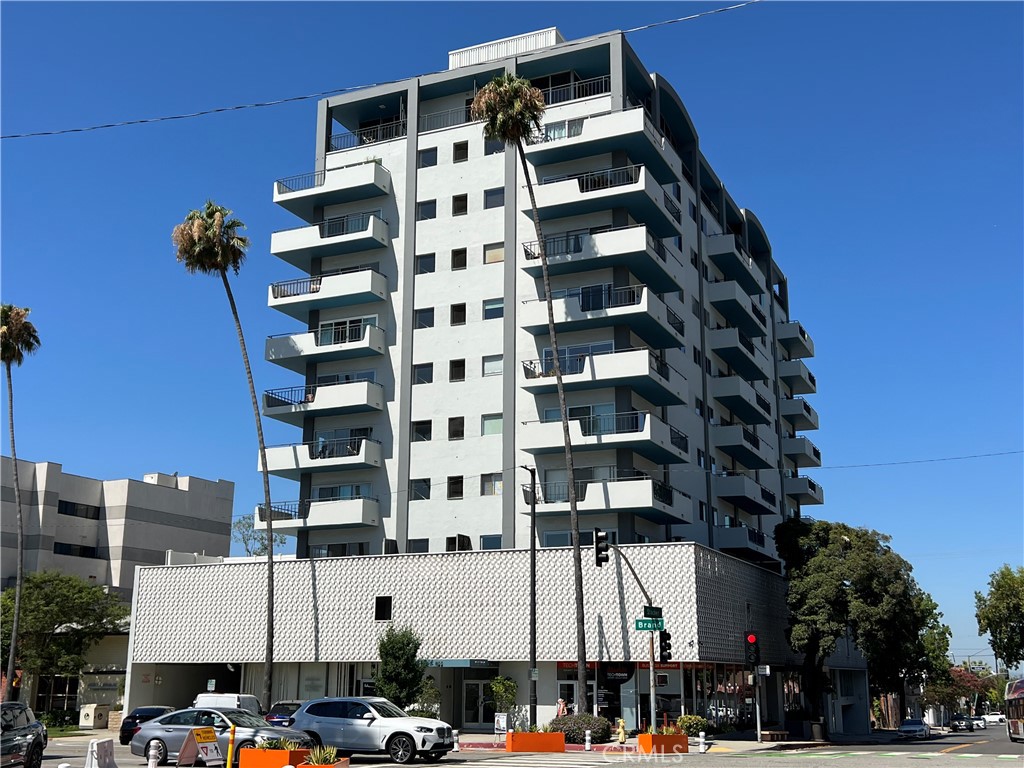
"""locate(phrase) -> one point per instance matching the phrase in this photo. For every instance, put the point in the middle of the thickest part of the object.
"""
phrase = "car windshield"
(386, 709)
(913, 722)
(244, 718)
(284, 708)
(148, 711)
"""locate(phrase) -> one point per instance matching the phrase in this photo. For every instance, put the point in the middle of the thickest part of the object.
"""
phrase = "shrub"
(421, 713)
(692, 725)
(575, 728)
(59, 718)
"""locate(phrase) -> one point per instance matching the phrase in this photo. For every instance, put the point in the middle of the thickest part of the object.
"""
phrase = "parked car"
(229, 701)
(373, 725)
(138, 716)
(167, 733)
(282, 712)
(22, 737)
(979, 722)
(914, 729)
(995, 718)
(961, 722)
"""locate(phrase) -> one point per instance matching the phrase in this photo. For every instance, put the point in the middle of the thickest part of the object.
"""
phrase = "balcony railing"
(673, 209)
(303, 181)
(570, 364)
(593, 181)
(285, 510)
(756, 537)
(337, 448)
(305, 285)
(679, 440)
(395, 129)
(767, 495)
(750, 438)
(446, 119)
(710, 205)
(353, 330)
(756, 311)
(348, 224)
(572, 242)
(275, 398)
(581, 89)
(608, 423)
(604, 296)
(558, 493)
(676, 322)
(763, 403)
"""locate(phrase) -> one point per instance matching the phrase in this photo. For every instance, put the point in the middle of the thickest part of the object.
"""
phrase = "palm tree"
(18, 337)
(208, 242)
(511, 109)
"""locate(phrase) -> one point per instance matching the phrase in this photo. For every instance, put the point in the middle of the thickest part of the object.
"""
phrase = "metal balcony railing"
(446, 119)
(558, 493)
(758, 314)
(756, 537)
(676, 322)
(304, 181)
(395, 129)
(337, 448)
(285, 510)
(709, 203)
(348, 224)
(673, 209)
(343, 333)
(679, 440)
(305, 285)
(581, 89)
(750, 438)
(275, 398)
(767, 495)
(608, 423)
(570, 364)
(763, 403)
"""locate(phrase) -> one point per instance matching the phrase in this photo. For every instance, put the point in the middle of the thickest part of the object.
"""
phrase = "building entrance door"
(477, 704)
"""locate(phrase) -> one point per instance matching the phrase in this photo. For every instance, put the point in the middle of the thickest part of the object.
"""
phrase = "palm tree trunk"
(574, 519)
(19, 580)
(268, 664)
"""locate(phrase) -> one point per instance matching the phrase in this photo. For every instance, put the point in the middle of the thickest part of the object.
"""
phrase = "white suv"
(373, 725)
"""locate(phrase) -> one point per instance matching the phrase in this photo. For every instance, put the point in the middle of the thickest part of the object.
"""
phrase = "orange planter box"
(526, 741)
(271, 758)
(651, 743)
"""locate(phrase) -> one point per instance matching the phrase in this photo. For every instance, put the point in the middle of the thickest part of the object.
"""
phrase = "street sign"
(211, 685)
(534, 673)
(648, 625)
(652, 612)
(764, 669)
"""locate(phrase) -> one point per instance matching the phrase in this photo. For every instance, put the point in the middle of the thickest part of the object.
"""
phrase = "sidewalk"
(489, 742)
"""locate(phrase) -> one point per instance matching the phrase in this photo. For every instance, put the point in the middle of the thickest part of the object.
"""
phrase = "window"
(455, 487)
(418, 545)
(458, 259)
(342, 492)
(427, 209)
(426, 158)
(382, 608)
(696, 356)
(423, 318)
(494, 308)
(493, 365)
(460, 205)
(677, 242)
(422, 431)
(699, 407)
(494, 198)
(347, 377)
(702, 510)
(458, 314)
(74, 550)
(700, 458)
(695, 308)
(424, 263)
(88, 511)
(703, 224)
(494, 252)
(457, 370)
(456, 427)
(460, 152)
(423, 373)
(490, 485)
(693, 210)
(490, 424)
(677, 190)
(491, 541)
(563, 129)
(419, 488)
(493, 146)
(693, 257)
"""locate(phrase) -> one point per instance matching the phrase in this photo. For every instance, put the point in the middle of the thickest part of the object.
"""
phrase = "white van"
(229, 701)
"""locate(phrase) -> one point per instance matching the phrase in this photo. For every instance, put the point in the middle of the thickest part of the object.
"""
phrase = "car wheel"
(401, 749)
(238, 748)
(315, 737)
(35, 757)
(432, 757)
(161, 751)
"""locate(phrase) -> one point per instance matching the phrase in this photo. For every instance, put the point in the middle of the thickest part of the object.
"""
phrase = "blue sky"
(880, 144)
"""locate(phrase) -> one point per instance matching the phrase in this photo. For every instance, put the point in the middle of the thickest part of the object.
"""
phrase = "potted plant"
(664, 741)
(325, 755)
(272, 753)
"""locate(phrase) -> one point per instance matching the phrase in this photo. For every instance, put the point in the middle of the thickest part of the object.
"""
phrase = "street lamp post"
(533, 593)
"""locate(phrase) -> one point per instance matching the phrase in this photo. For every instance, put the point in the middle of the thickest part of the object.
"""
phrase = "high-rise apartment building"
(423, 356)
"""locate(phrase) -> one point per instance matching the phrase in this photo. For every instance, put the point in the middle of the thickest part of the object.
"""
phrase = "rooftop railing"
(395, 129)
(446, 119)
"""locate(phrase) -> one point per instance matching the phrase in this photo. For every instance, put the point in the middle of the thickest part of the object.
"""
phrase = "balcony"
(630, 131)
(801, 451)
(804, 490)
(798, 413)
(739, 352)
(630, 187)
(795, 340)
(578, 89)
(742, 399)
(602, 306)
(637, 369)
(343, 288)
(742, 444)
(640, 432)
(291, 461)
(728, 254)
(294, 350)
(389, 131)
(331, 237)
(304, 193)
(292, 516)
(797, 376)
(642, 496)
(292, 404)
(737, 308)
(747, 544)
(746, 493)
(634, 247)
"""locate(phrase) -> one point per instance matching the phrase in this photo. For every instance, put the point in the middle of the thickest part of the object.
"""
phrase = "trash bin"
(818, 730)
(93, 716)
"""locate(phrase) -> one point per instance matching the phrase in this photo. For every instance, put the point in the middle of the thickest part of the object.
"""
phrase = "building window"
(494, 253)
(458, 314)
(424, 263)
(455, 487)
(493, 365)
(423, 373)
(418, 545)
(460, 152)
(458, 259)
(426, 158)
(491, 423)
(693, 210)
(493, 146)
(425, 210)
(696, 356)
(494, 198)
(54, 693)
(494, 308)
(457, 370)
(88, 511)
(695, 308)
(419, 488)
(423, 318)
(421, 431)
(490, 485)
(677, 190)
(74, 550)
(699, 408)
(460, 205)
(343, 549)
(693, 257)
(700, 458)
(491, 541)
(702, 510)
(703, 225)
(382, 608)
(456, 427)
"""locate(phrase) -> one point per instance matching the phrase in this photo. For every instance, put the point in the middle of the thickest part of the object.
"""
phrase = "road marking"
(961, 746)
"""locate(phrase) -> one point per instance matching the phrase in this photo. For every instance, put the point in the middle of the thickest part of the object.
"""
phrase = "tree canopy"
(254, 543)
(1001, 614)
(399, 675)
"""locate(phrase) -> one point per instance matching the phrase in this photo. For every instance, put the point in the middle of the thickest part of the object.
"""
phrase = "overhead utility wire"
(332, 92)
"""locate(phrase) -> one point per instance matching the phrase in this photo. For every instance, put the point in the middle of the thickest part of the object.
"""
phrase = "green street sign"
(648, 625)
(652, 612)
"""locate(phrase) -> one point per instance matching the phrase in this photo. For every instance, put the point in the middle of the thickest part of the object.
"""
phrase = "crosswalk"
(816, 754)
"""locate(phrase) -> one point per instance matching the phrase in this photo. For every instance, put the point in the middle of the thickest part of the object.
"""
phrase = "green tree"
(1001, 614)
(61, 618)
(400, 673)
(208, 241)
(511, 109)
(18, 337)
(253, 542)
(505, 690)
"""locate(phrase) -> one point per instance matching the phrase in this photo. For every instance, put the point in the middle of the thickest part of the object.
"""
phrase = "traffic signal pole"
(653, 712)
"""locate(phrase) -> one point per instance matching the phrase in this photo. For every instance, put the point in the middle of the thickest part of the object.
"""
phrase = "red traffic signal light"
(751, 637)
(752, 654)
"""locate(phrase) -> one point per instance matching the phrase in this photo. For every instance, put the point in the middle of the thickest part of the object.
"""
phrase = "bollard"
(702, 748)
(455, 741)
(587, 747)
(154, 755)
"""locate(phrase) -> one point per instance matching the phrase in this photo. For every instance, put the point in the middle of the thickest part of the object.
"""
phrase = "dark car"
(961, 722)
(137, 717)
(23, 736)
(282, 711)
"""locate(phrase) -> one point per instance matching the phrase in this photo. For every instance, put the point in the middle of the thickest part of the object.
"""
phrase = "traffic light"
(664, 646)
(753, 651)
(600, 547)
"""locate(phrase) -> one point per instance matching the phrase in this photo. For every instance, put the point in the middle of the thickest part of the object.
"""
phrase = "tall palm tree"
(18, 338)
(208, 242)
(511, 109)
